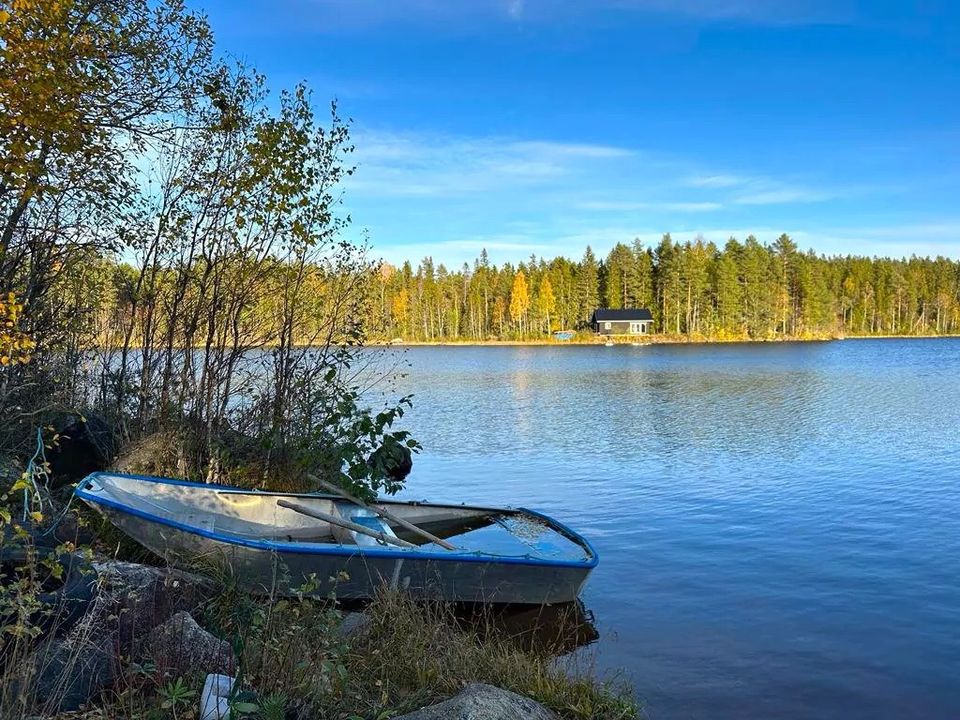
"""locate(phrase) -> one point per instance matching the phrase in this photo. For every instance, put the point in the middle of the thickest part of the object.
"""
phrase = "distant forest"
(744, 290)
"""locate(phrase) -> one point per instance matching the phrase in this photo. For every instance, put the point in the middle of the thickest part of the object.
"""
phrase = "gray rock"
(353, 623)
(133, 599)
(129, 600)
(181, 647)
(478, 701)
(70, 672)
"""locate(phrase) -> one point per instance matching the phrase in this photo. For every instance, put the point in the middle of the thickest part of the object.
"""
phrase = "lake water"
(778, 524)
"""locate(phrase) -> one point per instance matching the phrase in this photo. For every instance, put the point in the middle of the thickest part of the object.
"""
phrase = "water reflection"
(553, 630)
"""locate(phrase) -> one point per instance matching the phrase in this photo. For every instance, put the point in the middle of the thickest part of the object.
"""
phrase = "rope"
(33, 472)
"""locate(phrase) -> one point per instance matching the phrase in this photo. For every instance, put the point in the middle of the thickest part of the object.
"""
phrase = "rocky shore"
(142, 618)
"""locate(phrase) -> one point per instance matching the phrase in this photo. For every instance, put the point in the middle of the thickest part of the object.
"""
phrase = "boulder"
(353, 623)
(133, 599)
(70, 672)
(129, 600)
(69, 529)
(157, 454)
(181, 647)
(63, 599)
(86, 444)
(479, 701)
(10, 469)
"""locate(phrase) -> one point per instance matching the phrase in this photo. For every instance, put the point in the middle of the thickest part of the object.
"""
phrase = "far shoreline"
(648, 340)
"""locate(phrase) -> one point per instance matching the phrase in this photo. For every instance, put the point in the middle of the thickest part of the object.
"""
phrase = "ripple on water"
(778, 524)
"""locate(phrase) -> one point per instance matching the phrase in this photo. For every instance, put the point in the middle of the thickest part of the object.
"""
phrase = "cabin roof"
(626, 314)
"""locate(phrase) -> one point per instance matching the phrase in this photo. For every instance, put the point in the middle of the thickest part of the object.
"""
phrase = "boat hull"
(359, 574)
(288, 544)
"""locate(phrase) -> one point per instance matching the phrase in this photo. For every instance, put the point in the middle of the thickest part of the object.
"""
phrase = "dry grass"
(416, 654)
(403, 655)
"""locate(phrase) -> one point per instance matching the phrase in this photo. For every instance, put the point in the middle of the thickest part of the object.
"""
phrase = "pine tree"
(588, 286)
(728, 291)
(668, 266)
(755, 271)
(785, 251)
(619, 274)
(640, 292)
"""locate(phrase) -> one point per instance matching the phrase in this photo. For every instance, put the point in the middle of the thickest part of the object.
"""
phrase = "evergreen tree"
(640, 293)
(588, 286)
(728, 291)
(743, 290)
(620, 274)
(668, 281)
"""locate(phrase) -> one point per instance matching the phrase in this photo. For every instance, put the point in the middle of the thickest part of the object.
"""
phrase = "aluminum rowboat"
(501, 555)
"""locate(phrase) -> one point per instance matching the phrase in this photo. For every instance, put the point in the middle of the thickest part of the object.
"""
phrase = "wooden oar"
(381, 512)
(333, 520)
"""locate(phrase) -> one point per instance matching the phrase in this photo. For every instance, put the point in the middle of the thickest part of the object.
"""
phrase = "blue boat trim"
(315, 549)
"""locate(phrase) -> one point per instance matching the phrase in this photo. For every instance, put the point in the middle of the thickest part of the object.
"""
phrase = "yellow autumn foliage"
(519, 297)
(15, 346)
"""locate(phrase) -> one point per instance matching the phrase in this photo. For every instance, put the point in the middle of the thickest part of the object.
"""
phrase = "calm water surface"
(778, 525)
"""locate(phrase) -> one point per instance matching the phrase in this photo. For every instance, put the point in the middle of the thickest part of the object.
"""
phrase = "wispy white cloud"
(717, 181)
(619, 179)
(783, 195)
(451, 196)
(399, 164)
(616, 206)
(897, 240)
(894, 241)
(761, 190)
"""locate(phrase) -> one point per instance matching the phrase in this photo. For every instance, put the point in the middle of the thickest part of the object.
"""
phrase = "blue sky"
(539, 126)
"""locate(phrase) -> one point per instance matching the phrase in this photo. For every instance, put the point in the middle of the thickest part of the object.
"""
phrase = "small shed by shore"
(626, 321)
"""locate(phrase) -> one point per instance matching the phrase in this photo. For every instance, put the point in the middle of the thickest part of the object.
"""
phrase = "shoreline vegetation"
(697, 289)
(649, 340)
(586, 339)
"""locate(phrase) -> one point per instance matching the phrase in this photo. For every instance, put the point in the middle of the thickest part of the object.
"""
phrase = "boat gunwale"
(338, 549)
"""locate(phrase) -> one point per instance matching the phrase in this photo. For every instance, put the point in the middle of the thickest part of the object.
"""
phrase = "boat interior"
(325, 519)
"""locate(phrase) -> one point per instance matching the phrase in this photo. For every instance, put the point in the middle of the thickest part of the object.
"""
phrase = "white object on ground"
(215, 698)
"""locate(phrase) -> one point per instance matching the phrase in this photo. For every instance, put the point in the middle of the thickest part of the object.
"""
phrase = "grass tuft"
(402, 656)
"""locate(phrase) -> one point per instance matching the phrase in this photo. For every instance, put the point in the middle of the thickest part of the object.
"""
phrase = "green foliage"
(170, 247)
(344, 439)
(175, 695)
(287, 648)
(273, 706)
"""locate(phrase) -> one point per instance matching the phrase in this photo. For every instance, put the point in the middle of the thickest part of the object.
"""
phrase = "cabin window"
(636, 328)
(606, 326)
